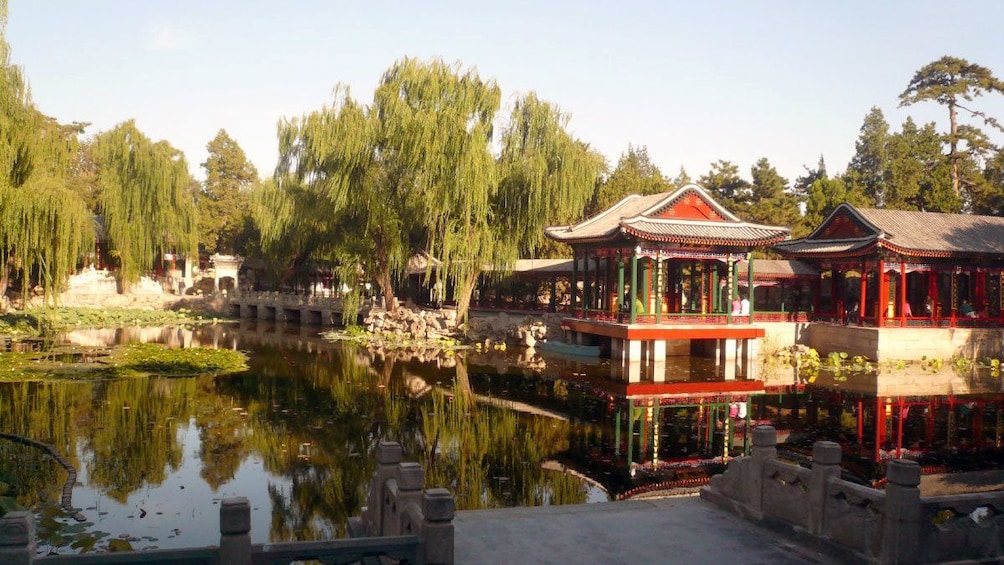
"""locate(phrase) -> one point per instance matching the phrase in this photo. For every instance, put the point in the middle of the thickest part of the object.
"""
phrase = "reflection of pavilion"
(660, 277)
(913, 411)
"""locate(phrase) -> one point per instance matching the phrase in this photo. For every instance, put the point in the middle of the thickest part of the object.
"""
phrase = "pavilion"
(896, 268)
(660, 272)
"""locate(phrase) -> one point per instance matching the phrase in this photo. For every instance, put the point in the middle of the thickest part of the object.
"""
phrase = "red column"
(981, 294)
(863, 299)
(932, 293)
(899, 430)
(879, 427)
(883, 295)
(902, 294)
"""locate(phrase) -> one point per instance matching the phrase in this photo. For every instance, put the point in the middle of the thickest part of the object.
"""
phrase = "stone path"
(668, 530)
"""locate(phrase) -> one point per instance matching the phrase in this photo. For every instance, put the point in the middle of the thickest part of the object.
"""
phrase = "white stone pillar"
(730, 359)
(634, 351)
(633, 372)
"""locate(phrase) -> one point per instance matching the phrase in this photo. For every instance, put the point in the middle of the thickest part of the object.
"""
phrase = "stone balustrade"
(403, 521)
(896, 525)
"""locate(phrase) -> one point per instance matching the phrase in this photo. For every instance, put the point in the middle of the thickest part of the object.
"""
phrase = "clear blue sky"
(693, 81)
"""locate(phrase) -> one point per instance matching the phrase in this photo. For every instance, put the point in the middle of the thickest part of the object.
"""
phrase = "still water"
(296, 433)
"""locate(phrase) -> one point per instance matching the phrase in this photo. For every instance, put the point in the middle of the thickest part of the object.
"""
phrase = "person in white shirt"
(744, 307)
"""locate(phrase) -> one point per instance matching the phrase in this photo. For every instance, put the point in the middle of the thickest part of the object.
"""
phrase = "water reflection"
(296, 433)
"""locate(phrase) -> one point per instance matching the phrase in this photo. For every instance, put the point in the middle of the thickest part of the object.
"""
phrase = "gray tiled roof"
(721, 233)
(637, 215)
(823, 245)
(921, 233)
(932, 231)
(778, 268)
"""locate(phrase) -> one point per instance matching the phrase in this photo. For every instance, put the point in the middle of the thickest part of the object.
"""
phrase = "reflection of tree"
(45, 412)
(133, 439)
(315, 419)
(222, 430)
(490, 457)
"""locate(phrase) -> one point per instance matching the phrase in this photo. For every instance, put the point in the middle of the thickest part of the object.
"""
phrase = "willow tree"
(414, 171)
(145, 200)
(437, 123)
(546, 177)
(44, 226)
(337, 196)
(953, 83)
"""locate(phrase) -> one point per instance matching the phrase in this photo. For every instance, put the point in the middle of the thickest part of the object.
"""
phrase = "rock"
(529, 340)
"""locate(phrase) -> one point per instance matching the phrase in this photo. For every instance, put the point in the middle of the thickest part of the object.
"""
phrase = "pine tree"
(223, 198)
(951, 82)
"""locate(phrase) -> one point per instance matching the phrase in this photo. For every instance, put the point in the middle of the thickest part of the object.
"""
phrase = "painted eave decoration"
(685, 216)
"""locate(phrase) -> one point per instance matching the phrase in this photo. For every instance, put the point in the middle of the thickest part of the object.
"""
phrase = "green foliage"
(414, 172)
(727, 187)
(223, 199)
(157, 359)
(635, 174)
(44, 227)
(146, 200)
(118, 362)
(953, 83)
(917, 177)
(771, 201)
(38, 321)
(867, 171)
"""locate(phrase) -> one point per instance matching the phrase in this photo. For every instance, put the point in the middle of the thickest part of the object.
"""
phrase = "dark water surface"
(296, 433)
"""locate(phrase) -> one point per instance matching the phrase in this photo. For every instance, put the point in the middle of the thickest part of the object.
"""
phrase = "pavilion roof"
(777, 269)
(685, 216)
(850, 231)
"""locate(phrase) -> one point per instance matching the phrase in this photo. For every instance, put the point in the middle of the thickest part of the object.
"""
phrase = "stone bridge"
(312, 310)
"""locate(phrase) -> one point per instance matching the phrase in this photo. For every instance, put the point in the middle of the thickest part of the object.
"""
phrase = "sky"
(693, 82)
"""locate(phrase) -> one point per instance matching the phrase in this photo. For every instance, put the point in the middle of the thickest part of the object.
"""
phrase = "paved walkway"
(666, 530)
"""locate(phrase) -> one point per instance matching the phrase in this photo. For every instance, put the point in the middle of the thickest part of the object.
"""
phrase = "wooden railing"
(403, 522)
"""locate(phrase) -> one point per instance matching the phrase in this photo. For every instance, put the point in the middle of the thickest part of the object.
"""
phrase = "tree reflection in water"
(312, 419)
(297, 433)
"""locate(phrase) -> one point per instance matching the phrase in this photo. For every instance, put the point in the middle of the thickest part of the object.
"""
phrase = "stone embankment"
(487, 328)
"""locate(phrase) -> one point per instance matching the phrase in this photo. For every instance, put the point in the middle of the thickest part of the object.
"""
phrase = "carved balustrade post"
(389, 455)
(901, 521)
(17, 538)
(402, 491)
(438, 508)
(235, 531)
(764, 449)
(826, 456)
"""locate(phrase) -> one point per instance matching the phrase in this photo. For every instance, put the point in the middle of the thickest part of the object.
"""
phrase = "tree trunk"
(386, 288)
(464, 391)
(464, 295)
(953, 155)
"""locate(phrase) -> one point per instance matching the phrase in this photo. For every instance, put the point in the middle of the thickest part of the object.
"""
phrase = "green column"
(575, 280)
(658, 289)
(749, 281)
(586, 295)
(634, 286)
(716, 299)
(645, 290)
(630, 430)
(620, 281)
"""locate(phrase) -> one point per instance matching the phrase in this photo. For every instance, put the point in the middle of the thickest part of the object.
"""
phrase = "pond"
(296, 433)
